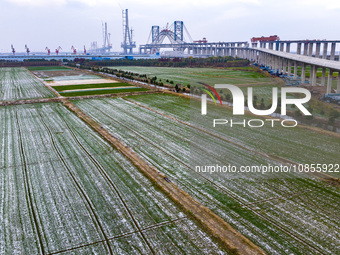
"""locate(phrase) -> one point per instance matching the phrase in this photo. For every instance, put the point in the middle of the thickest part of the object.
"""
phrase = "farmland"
(69, 82)
(292, 144)
(18, 83)
(66, 190)
(194, 75)
(269, 209)
(243, 78)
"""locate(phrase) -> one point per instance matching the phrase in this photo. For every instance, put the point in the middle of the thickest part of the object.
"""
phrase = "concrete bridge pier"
(323, 77)
(284, 65)
(317, 50)
(204, 50)
(282, 46)
(298, 50)
(277, 64)
(338, 86)
(227, 53)
(271, 45)
(330, 81)
(221, 51)
(333, 50)
(288, 47)
(303, 72)
(305, 48)
(289, 67)
(295, 69)
(325, 46)
(310, 49)
(312, 78)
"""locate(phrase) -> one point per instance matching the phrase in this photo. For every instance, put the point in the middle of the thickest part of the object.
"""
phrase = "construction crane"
(271, 38)
(128, 44)
(13, 50)
(57, 50)
(27, 50)
(48, 51)
(84, 50)
(204, 40)
(74, 50)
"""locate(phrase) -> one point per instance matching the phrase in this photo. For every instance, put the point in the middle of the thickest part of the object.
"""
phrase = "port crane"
(74, 50)
(57, 50)
(27, 50)
(48, 51)
(13, 50)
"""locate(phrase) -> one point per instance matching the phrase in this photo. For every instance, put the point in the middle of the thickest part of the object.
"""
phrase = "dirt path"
(229, 237)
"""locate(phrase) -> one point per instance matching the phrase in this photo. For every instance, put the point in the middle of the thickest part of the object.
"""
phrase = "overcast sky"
(41, 23)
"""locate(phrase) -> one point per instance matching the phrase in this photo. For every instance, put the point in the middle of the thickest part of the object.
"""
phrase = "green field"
(278, 211)
(192, 76)
(47, 68)
(262, 85)
(90, 86)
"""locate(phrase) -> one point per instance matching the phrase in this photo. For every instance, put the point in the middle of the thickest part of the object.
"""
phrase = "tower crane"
(13, 50)
(74, 50)
(57, 50)
(48, 51)
(27, 49)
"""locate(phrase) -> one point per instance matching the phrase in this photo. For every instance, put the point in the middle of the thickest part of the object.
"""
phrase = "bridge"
(274, 55)
(282, 60)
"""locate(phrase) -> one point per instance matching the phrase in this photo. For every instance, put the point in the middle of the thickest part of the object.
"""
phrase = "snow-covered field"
(282, 213)
(64, 190)
(17, 83)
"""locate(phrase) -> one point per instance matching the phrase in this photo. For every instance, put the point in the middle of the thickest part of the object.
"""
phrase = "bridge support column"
(338, 86)
(281, 46)
(271, 45)
(276, 63)
(298, 49)
(325, 46)
(303, 72)
(295, 69)
(305, 49)
(312, 77)
(323, 77)
(310, 49)
(284, 65)
(289, 67)
(288, 47)
(330, 81)
(220, 51)
(317, 50)
(333, 50)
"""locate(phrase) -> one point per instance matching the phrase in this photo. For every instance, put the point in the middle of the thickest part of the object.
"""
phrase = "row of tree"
(168, 62)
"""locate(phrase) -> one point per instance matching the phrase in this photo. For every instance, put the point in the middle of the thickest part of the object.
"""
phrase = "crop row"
(296, 144)
(18, 83)
(63, 189)
(257, 205)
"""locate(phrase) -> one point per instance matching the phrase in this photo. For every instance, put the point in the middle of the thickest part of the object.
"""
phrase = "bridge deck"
(335, 65)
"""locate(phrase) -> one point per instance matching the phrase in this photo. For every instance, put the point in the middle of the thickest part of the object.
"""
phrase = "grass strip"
(47, 68)
(90, 86)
